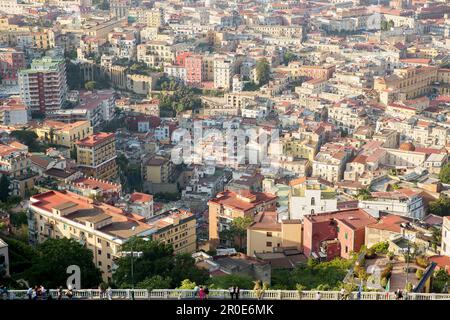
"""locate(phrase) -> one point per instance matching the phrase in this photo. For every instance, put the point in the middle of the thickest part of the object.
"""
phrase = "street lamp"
(132, 263)
(132, 266)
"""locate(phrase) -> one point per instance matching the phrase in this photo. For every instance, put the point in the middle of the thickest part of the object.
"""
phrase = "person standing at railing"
(60, 293)
(69, 293)
(30, 293)
(318, 296)
(237, 291)
(196, 291)
(43, 292)
(109, 293)
(206, 291)
(201, 293)
(232, 291)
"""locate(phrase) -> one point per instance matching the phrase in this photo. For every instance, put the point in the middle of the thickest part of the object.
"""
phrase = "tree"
(28, 138)
(441, 281)
(49, 266)
(73, 73)
(226, 281)
(4, 188)
(155, 282)
(444, 174)
(364, 194)
(289, 56)
(90, 85)
(262, 71)
(157, 259)
(239, 227)
(440, 207)
(187, 284)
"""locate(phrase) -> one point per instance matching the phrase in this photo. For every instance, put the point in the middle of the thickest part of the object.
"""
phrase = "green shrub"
(380, 247)
(421, 261)
(370, 253)
(409, 287)
(419, 274)
(387, 271)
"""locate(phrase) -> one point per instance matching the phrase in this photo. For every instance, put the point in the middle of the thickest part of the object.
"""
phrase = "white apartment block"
(223, 72)
(403, 203)
(310, 196)
(43, 87)
(445, 246)
(4, 257)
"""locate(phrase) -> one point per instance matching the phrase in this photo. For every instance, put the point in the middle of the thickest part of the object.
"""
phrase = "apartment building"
(142, 204)
(223, 72)
(335, 234)
(347, 116)
(96, 155)
(194, 69)
(403, 202)
(296, 148)
(4, 257)
(102, 228)
(154, 17)
(445, 246)
(229, 205)
(15, 162)
(278, 31)
(157, 169)
(268, 233)
(176, 227)
(329, 163)
(408, 83)
(13, 112)
(310, 196)
(43, 38)
(64, 134)
(155, 53)
(43, 87)
(11, 61)
(297, 70)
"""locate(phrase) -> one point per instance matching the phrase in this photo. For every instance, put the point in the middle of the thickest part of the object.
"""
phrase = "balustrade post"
(279, 295)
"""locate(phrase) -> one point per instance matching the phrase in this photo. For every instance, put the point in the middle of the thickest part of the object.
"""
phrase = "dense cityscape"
(210, 149)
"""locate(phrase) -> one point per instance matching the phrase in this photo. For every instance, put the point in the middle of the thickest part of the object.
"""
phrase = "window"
(268, 244)
(269, 234)
(346, 249)
(99, 252)
(108, 256)
(100, 263)
(346, 236)
(313, 201)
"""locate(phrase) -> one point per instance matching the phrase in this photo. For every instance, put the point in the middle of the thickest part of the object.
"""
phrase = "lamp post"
(132, 261)
(132, 266)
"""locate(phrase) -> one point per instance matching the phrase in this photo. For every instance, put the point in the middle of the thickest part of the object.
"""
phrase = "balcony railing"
(177, 294)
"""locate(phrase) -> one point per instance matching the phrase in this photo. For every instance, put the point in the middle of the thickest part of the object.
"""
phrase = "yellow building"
(102, 228)
(409, 83)
(177, 228)
(267, 233)
(64, 134)
(96, 155)
(155, 53)
(157, 169)
(43, 39)
(299, 149)
(155, 18)
(15, 163)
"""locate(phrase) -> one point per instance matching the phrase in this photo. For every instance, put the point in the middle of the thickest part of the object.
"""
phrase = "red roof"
(141, 197)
